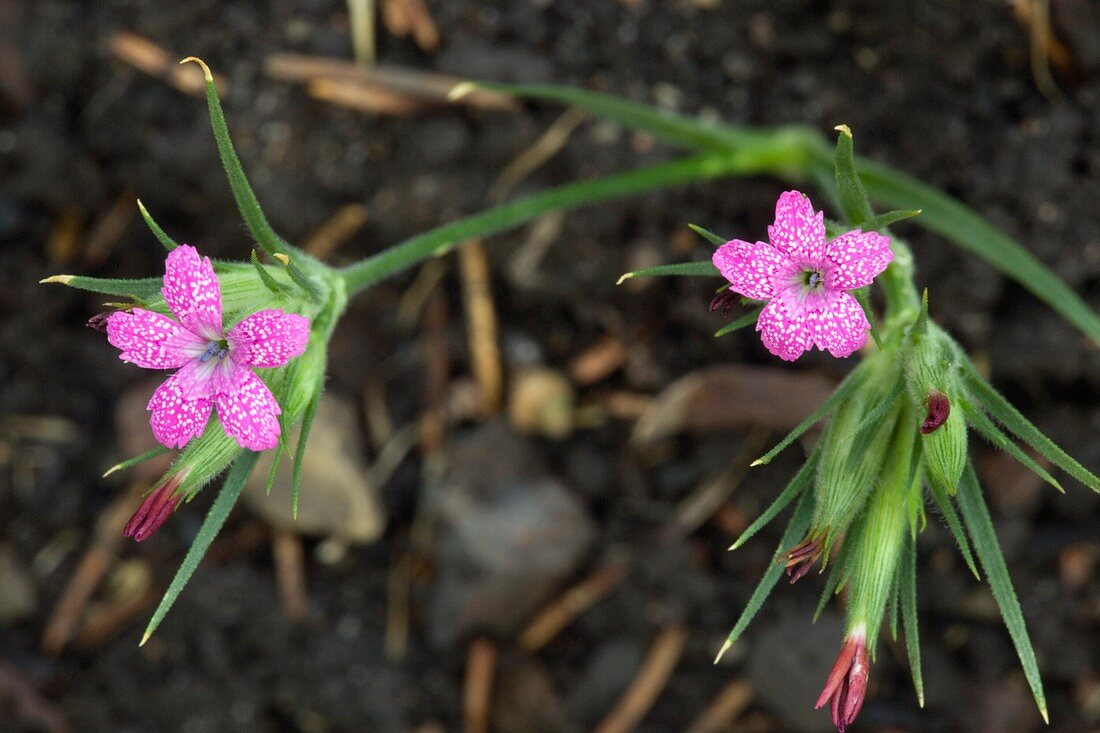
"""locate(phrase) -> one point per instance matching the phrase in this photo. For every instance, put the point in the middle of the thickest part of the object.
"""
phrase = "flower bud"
(154, 510)
(939, 407)
(846, 686)
(945, 451)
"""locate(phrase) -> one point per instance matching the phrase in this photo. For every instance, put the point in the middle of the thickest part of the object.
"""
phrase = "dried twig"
(411, 18)
(648, 684)
(109, 229)
(388, 86)
(29, 705)
(340, 227)
(146, 56)
(724, 709)
(361, 20)
(481, 662)
(542, 150)
(290, 573)
(481, 325)
(575, 601)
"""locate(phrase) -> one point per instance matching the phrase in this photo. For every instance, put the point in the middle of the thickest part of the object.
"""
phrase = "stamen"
(814, 279)
(211, 351)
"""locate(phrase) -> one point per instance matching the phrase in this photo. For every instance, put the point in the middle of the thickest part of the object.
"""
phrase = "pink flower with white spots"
(214, 367)
(806, 280)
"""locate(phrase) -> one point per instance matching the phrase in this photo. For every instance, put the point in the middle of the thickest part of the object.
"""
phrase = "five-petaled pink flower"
(806, 280)
(215, 367)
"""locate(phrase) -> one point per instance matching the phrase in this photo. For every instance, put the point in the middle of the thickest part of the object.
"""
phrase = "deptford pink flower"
(800, 558)
(846, 686)
(214, 367)
(806, 280)
(939, 408)
(154, 510)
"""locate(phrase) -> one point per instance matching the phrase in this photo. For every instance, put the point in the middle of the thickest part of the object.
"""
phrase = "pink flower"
(846, 686)
(805, 280)
(214, 368)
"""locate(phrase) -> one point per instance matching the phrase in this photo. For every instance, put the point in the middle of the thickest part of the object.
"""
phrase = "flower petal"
(192, 292)
(150, 340)
(250, 415)
(783, 329)
(268, 338)
(840, 327)
(798, 231)
(857, 258)
(752, 269)
(176, 419)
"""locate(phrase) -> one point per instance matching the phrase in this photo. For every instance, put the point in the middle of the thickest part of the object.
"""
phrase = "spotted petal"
(783, 329)
(857, 259)
(150, 340)
(752, 269)
(176, 419)
(798, 231)
(191, 291)
(839, 328)
(250, 415)
(268, 338)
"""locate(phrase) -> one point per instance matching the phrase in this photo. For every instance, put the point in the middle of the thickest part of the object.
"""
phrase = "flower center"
(215, 350)
(812, 279)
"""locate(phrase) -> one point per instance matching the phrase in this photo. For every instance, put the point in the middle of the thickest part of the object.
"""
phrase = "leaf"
(247, 203)
(1012, 419)
(683, 269)
(862, 432)
(160, 450)
(908, 593)
(880, 222)
(169, 243)
(864, 301)
(850, 384)
(853, 198)
(971, 232)
(993, 434)
(838, 575)
(300, 451)
(215, 518)
(796, 528)
(947, 509)
(442, 239)
(794, 489)
(142, 289)
(667, 126)
(746, 320)
(707, 235)
(892, 607)
(272, 284)
(978, 521)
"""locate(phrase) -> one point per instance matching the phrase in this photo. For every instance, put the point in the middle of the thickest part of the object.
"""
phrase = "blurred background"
(524, 479)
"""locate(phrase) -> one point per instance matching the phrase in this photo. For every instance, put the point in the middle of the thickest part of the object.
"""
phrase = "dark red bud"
(724, 301)
(939, 407)
(802, 557)
(153, 512)
(98, 322)
(846, 686)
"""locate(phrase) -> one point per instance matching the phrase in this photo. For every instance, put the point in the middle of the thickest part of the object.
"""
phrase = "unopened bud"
(98, 322)
(939, 407)
(154, 510)
(724, 301)
(945, 451)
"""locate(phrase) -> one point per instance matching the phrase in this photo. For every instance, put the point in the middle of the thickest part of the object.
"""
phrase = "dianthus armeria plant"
(245, 344)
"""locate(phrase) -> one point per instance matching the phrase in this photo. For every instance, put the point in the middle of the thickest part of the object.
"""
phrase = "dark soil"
(943, 90)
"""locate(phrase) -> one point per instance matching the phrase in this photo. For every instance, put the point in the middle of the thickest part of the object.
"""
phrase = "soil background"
(942, 90)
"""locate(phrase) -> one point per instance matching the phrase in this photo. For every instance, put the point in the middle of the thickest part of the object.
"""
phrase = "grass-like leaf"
(707, 235)
(993, 434)
(838, 576)
(141, 289)
(215, 518)
(300, 451)
(160, 450)
(880, 222)
(947, 509)
(272, 284)
(794, 489)
(853, 198)
(683, 269)
(736, 325)
(845, 389)
(862, 297)
(1013, 419)
(247, 203)
(965, 228)
(162, 237)
(978, 521)
(442, 239)
(908, 594)
(796, 528)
